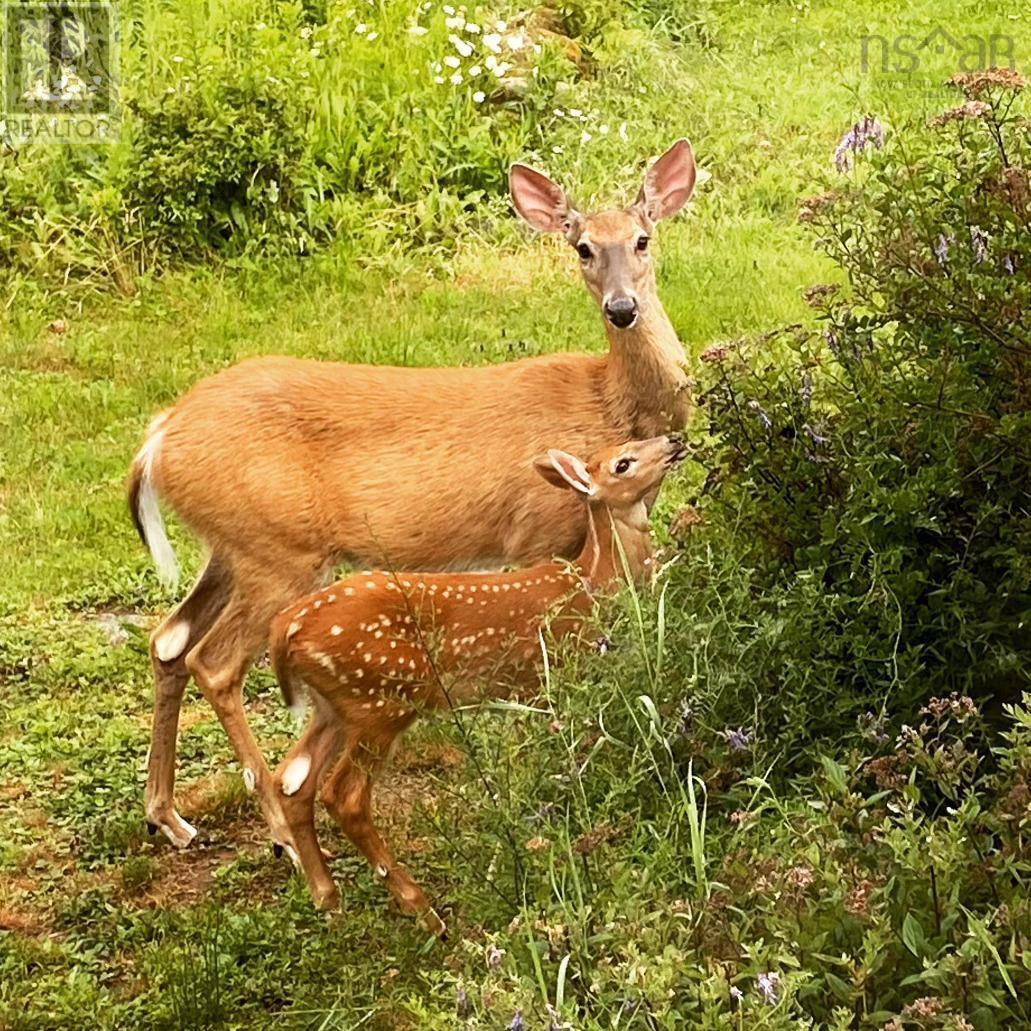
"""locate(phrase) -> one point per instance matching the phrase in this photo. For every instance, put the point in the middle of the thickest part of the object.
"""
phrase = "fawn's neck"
(617, 548)
(647, 386)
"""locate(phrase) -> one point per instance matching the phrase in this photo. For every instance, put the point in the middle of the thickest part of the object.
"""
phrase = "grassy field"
(100, 925)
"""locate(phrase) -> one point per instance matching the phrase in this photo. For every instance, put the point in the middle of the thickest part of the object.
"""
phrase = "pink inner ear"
(670, 181)
(572, 470)
(538, 199)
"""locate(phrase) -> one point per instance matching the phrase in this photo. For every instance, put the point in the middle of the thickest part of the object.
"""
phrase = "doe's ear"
(669, 182)
(562, 469)
(539, 201)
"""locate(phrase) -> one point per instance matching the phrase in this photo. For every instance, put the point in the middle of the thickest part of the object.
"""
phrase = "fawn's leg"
(169, 644)
(347, 794)
(296, 782)
(220, 662)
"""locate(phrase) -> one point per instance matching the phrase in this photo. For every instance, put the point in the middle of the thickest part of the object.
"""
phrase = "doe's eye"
(623, 465)
(584, 251)
(642, 244)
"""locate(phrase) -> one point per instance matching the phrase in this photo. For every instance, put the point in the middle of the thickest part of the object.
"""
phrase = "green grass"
(108, 928)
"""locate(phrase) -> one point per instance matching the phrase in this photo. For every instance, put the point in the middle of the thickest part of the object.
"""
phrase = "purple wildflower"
(941, 248)
(763, 417)
(517, 1022)
(807, 389)
(494, 957)
(768, 985)
(833, 343)
(856, 140)
(1008, 264)
(603, 645)
(739, 739)
(736, 995)
(979, 241)
(462, 1006)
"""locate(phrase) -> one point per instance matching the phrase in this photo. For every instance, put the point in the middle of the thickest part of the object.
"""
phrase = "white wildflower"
(585, 137)
(479, 96)
(603, 129)
(438, 79)
(455, 23)
(306, 32)
(516, 41)
(491, 62)
(177, 59)
(460, 45)
(472, 28)
(456, 79)
(622, 132)
(452, 62)
(501, 68)
(475, 70)
(575, 112)
(492, 41)
(417, 30)
(501, 25)
(448, 9)
(372, 35)
(260, 26)
(361, 28)
(557, 150)
(559, 112)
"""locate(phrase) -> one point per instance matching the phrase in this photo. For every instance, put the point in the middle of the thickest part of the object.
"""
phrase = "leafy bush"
(872, 479)
(256, 128)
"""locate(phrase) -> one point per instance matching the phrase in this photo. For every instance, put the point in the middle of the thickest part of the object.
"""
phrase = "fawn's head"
(613, 245)
(618, 478)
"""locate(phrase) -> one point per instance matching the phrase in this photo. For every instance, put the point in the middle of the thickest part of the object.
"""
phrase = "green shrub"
(872, 478)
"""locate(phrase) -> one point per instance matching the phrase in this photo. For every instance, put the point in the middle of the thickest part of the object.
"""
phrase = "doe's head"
(620, 478)
(613, 246)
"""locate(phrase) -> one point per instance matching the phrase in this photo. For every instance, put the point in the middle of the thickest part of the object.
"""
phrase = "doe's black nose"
(621, 311)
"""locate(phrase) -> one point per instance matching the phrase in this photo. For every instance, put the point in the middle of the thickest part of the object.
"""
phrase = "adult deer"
(284, 467)
(378, 649)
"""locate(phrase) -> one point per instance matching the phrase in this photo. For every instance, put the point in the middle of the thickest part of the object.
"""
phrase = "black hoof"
(277, 850)
(152, 828)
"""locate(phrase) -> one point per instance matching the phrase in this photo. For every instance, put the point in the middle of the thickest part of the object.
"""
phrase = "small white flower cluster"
(482, 54)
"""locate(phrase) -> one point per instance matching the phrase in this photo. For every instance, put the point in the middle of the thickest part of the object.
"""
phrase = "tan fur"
(377, 649)
(285, 466)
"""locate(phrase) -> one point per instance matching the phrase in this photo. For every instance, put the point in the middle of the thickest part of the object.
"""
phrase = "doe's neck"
(647, 385)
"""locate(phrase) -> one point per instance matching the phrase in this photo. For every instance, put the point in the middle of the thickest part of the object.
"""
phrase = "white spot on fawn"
(171, 642)
(335, 630)
(296, 773)
(249, 780)
(292, 629)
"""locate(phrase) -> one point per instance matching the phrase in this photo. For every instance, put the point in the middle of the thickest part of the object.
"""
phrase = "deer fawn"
(284, 467)
(377, 649)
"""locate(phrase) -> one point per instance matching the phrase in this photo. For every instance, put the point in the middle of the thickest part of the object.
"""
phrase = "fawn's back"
(420, 635)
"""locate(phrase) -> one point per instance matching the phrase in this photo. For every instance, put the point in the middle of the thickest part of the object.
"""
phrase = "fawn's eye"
(642, 244)
(623, 465)
(584, 251)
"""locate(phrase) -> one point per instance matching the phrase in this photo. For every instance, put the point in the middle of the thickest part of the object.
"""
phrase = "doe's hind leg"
(169, 644)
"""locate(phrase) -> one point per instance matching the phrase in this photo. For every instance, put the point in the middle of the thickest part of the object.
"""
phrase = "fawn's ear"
(669, 183)
(562, 469)
(540, 202)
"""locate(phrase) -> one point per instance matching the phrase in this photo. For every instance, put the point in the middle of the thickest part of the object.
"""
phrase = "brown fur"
(377, 649)
(285, 466)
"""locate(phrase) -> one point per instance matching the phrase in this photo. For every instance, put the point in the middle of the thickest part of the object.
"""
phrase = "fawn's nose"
(621, 312)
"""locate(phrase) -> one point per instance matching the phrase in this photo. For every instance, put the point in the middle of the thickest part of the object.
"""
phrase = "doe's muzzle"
(621, 312)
